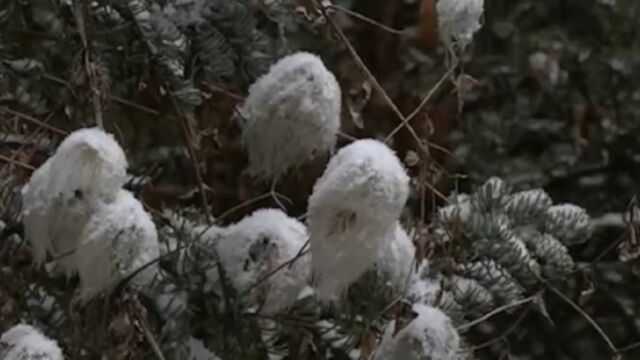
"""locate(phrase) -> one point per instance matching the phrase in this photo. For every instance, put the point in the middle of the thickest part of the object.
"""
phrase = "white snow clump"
(395, 262)
(353, 212)
(430, 335)
(291, 113)
(119, 239)
(88, 168)
(24, 342)
(75, 209)
(459, 20)
(254, 247)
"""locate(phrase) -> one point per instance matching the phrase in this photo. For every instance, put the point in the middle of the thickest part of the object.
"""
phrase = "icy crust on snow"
(291, 112)
(88, 168)
(353, 213)
(430, 335)
(24, 342)
(119, 239)
(254, 247)
(459, 20)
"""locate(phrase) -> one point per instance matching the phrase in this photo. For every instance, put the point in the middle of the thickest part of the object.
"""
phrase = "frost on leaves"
(353, 212)
(291, 113)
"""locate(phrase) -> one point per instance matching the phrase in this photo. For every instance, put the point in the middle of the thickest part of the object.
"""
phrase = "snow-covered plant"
(430, 335)
(291, 113)
(24, 342)
(458, 21)
(119, 240)
(87, 169)
(251, 251)
(568, 223)
(503, 244)
(352, 213)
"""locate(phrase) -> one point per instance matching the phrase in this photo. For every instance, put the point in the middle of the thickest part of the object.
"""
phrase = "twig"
(148, 334)
(134, 105)
(629, 347)
(226, 92)
(16, 162)
(365, 19)
(273, 272)
(34, 120)
(586, 316)
(302, 249)
(363, 67)
(192, 153)
(503, 336)
(491, 314)
(89, 66)
(242, 205)
(274, 194)
(422, 104)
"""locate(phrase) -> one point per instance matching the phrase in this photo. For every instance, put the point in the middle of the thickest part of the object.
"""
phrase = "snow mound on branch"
(88, 168)
(430, 335)
(396, 260)
(459, 20)
(353, 213)
(24, 342)
(119, 239)
(253, 248)
(291, 113)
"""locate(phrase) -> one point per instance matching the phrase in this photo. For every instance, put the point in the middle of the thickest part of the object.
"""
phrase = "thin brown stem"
(366, 19)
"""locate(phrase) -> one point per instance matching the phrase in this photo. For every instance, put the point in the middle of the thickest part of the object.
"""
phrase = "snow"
(24, 342)
(252, 248)
(430, 335)
(352, 213)
(459, 20)
(424, 287)
(119, 239)
(291, 113)
(396, 260)
(198, 350)
(87, 169)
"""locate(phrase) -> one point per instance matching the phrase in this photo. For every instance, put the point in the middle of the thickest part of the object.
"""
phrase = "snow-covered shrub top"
(24, 342)
(459, 20)
(255, 246)
(75, 209)
(353, 212)
(119, 239)
(291, 112)
(430, 335)
(88, 168)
